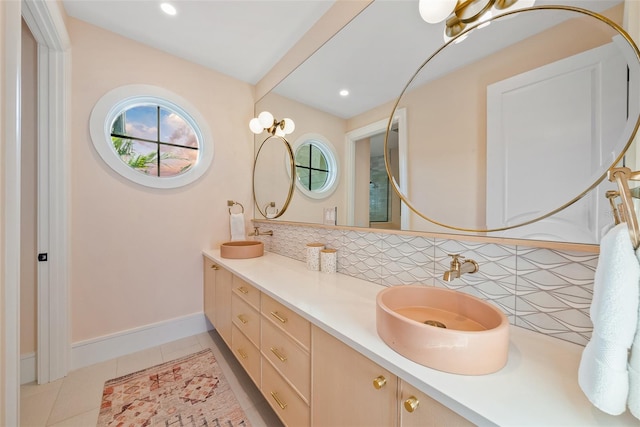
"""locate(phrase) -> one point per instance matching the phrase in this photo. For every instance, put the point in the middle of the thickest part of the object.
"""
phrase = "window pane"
(118, 125)
(303, 176)
(175, 160)
(141, 122)
(318, 161)
(141, 156)
(318, 179)
(175, 130)
(302, 155)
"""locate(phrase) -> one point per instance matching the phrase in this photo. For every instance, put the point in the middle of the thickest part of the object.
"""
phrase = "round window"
(151, 136)
(316, 166)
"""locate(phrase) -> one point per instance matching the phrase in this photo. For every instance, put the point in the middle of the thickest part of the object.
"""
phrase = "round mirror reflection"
(272, 177)
(523, 133)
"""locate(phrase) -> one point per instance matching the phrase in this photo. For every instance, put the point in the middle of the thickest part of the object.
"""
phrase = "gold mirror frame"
(392, 180)
(291, 165)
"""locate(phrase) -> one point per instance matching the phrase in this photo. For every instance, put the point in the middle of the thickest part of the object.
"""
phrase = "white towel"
(634, 367)
(236, 223)
(603, 374)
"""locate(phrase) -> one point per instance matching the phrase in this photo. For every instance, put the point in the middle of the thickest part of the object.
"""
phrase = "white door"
(564, 118)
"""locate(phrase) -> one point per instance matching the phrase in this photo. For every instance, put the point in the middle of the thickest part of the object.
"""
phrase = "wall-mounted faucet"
(257, 232)
(459, 268)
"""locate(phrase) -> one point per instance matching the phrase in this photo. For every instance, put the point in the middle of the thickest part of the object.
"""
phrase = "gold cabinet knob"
(411, 404)
(215, 267)
(379, 382)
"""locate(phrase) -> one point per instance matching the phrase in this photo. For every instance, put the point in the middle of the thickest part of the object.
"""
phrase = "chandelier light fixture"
(458, 15)
(266, 122)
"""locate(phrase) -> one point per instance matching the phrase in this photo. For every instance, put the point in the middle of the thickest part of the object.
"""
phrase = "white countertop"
(537, 387)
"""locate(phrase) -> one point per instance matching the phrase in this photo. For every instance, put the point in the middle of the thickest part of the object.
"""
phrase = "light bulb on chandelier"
(458, 14)
(266, 122)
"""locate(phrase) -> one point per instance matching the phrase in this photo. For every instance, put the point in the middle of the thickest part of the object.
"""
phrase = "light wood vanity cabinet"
(217, 298)
(419, 410)
(286, 362)
(309, 377)
(209, 274)
(349, 389)
(245, 334)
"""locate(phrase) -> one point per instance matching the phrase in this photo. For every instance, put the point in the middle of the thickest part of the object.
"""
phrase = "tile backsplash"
(546, 290)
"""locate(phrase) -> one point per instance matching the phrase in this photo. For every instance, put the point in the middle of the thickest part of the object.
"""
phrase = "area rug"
(190, 391)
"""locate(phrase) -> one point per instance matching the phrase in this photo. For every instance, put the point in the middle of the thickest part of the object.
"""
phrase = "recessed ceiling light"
(344, 92)
(168, 8)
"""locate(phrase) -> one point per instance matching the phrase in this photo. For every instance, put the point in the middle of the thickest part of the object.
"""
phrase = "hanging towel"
(634, 368)
(603, 375)
(237, 227)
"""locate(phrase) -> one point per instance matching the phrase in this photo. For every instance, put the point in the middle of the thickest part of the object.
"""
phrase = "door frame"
(46, 23)
(10, 126)
(350, 165)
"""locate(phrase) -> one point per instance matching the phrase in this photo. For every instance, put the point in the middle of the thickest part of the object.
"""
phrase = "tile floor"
(75, 399)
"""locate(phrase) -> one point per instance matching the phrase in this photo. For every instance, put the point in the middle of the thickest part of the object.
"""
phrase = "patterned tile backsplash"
(545, 290)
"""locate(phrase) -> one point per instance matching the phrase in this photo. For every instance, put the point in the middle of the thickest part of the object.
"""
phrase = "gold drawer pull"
(243, 290)
(379, 382)
(215, 267)
(243, 318)
(280, 403)
(411, 404)
(278, 354)
(242, 353)
(279, 316)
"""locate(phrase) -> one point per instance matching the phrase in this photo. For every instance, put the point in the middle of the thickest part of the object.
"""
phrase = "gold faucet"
(257, 232)
(459, 268)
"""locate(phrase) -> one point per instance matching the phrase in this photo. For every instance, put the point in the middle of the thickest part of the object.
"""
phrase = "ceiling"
(246, 38)
(241, 38)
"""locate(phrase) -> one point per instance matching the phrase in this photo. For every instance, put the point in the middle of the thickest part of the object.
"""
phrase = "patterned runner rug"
(190, 391)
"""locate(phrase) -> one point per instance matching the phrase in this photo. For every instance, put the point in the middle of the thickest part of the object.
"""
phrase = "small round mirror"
(272, 177)
(524, 132)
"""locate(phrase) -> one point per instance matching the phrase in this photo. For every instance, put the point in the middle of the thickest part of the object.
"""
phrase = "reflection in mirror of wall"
(563, 116)
(454, 171)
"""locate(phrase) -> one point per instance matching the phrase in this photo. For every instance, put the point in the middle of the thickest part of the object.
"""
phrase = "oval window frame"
(329, 152)
(119, 99)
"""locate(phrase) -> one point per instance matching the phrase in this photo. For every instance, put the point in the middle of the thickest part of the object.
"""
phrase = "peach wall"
(135, 251)
(28, 194)
(3, 283)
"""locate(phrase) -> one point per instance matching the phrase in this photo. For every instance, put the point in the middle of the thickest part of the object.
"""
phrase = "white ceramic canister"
(328, 260)
(313, 255)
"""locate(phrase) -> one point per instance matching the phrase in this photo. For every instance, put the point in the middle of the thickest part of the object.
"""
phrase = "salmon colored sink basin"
(242, 249)
(443, 329)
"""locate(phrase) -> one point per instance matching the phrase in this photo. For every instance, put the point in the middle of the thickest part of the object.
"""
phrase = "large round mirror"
(272, 177)
(524, 133)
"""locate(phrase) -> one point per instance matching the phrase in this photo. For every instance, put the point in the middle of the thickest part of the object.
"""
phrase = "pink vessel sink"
(443, 329)
(242, 249)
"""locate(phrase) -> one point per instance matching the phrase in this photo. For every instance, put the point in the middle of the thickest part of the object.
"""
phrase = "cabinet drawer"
(288, 358)
(245, 318)
(247, 292)
(247, 354)
(296, 326)
(291, 409)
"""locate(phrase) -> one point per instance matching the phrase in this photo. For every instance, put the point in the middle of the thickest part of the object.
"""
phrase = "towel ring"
(231, 204)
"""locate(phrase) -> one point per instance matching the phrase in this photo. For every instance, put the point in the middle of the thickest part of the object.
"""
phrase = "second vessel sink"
(242, 249)
(443, 329)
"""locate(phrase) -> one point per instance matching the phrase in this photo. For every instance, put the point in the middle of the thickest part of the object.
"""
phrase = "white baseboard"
(28, 368)
(85, 353)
